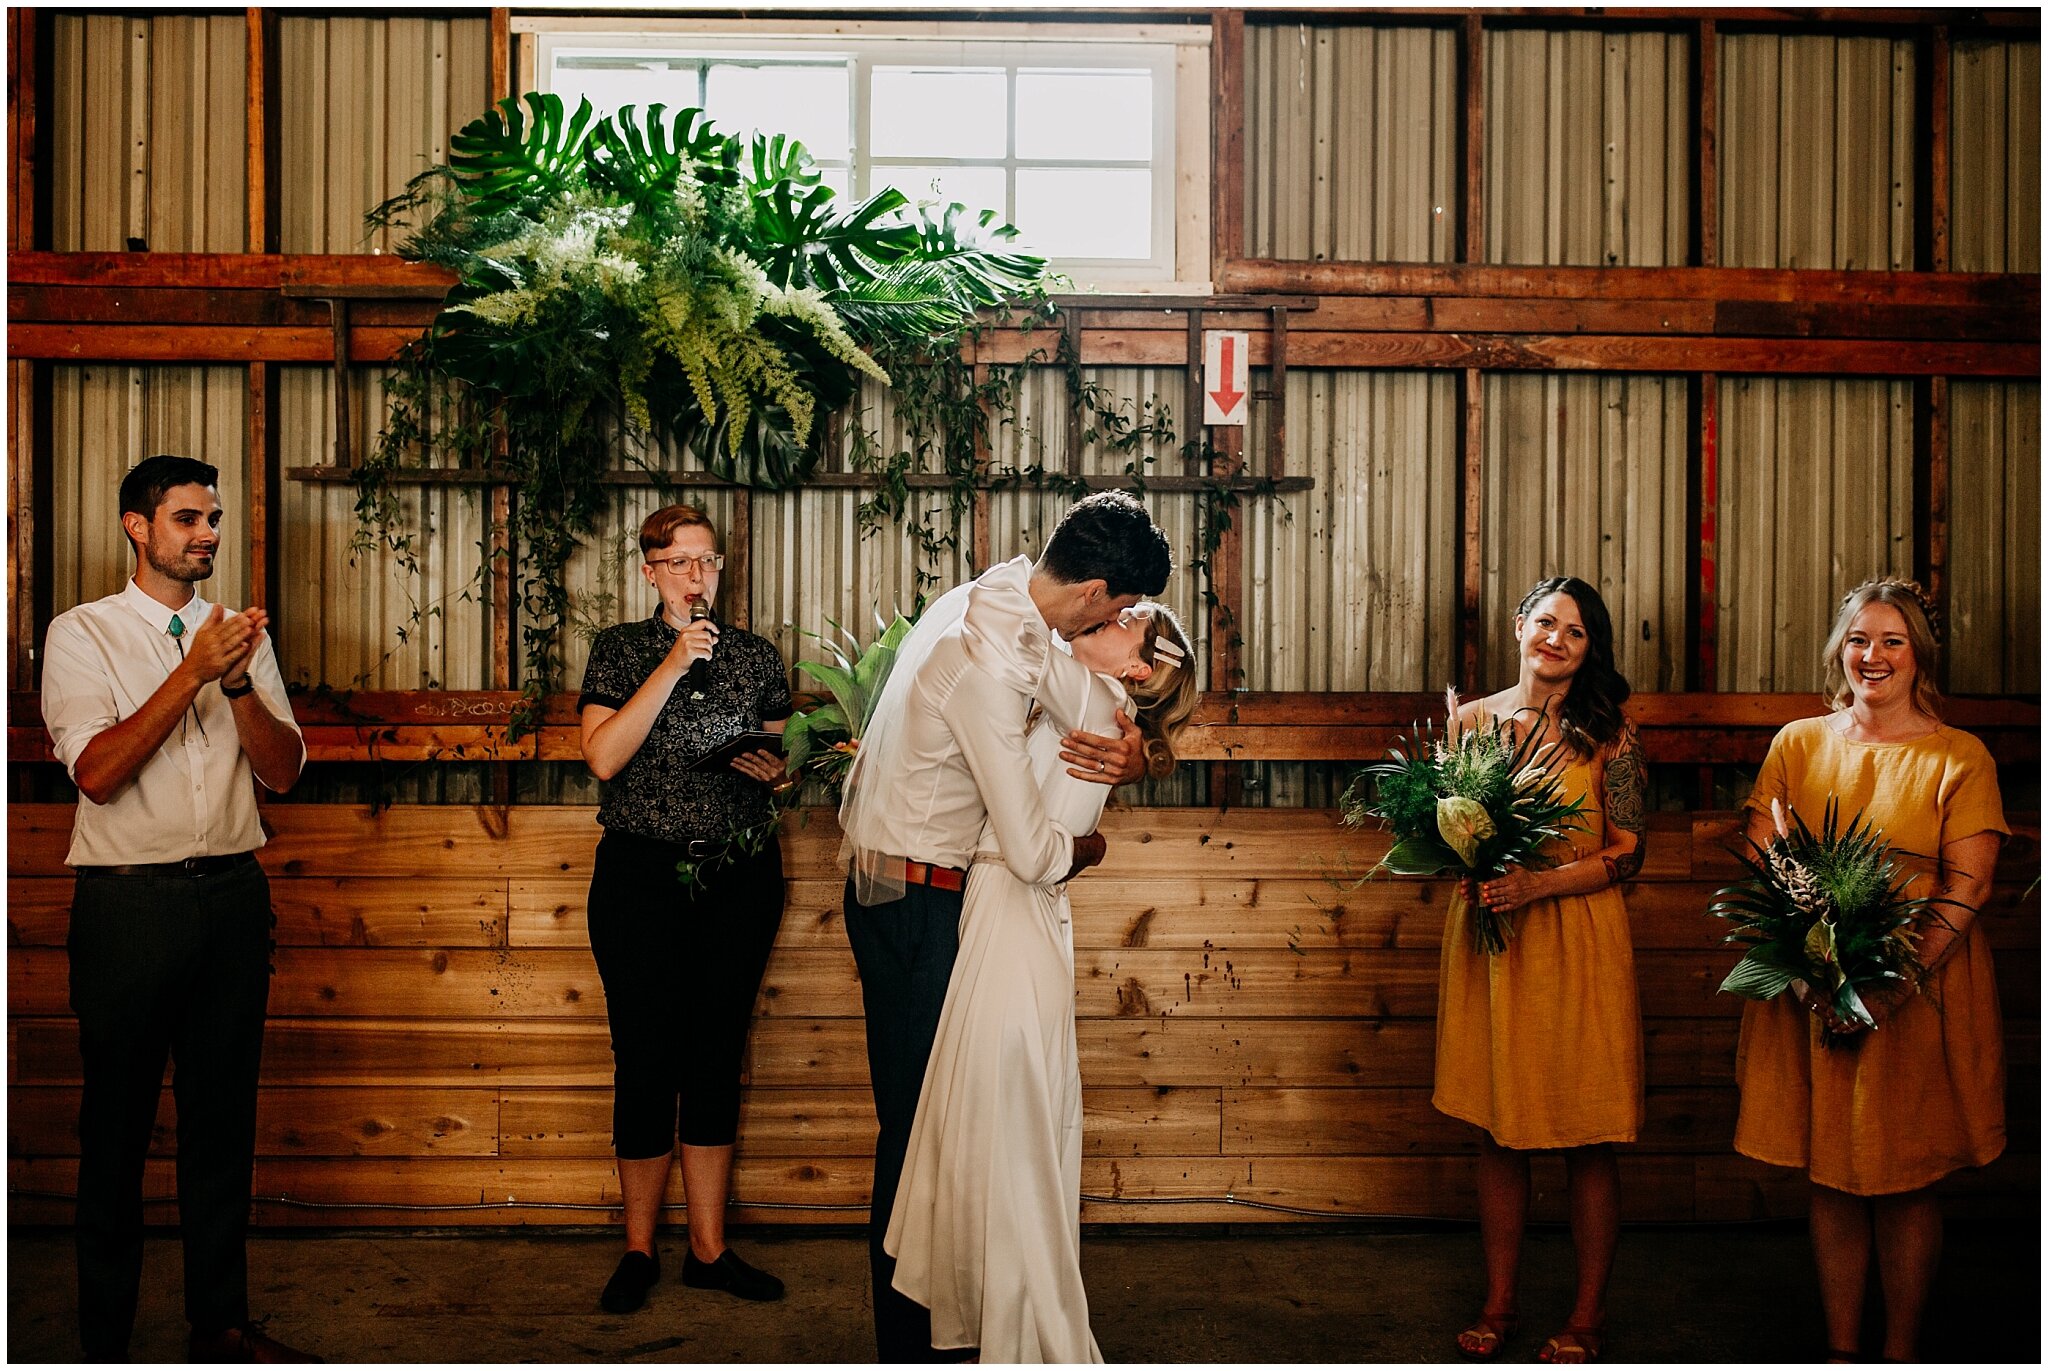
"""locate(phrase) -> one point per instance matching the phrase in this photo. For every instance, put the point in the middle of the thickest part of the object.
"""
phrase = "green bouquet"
(1470, 803)
(1829, 909)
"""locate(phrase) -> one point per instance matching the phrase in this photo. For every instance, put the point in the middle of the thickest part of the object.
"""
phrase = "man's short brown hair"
(660, 529)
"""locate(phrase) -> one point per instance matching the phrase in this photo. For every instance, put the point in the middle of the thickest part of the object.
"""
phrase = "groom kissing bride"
(943, 776)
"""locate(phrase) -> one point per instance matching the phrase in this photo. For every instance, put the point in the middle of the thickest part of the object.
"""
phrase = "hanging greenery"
(639, 280)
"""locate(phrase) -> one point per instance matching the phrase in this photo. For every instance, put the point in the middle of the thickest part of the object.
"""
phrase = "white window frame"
(1177, 55)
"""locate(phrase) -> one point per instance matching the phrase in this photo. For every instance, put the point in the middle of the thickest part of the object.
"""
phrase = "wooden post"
(1703, 394)
(22, 55)
(501, 54)
(1471, 570)
(1226, 615)
(1931, 436)
(261, 235)
(1471, 236)
(979, 536)
(1227, 169)
(1276, 381)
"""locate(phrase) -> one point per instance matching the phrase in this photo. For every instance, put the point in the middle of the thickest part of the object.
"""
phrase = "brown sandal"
(1492, 1331)
(1571, 1338)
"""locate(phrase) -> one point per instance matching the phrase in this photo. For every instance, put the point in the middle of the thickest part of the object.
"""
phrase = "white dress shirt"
(197, 796)
(949, 748)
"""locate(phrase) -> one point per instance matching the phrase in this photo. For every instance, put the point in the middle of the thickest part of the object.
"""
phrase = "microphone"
(695, 675)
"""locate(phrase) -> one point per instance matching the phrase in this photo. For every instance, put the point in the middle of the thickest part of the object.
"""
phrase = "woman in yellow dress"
(1541, 1045)
(1877, 1122)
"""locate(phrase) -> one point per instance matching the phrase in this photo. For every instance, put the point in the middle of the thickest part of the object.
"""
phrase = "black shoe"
(628, 1287)
(244, 1344)
(731, 1275)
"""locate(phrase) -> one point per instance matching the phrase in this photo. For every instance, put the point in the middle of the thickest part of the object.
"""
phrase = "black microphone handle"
(695, 675)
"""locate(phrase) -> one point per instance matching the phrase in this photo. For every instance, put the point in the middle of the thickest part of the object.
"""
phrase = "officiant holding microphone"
(681, 961)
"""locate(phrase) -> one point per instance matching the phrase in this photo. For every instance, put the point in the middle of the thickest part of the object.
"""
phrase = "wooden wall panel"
(1255, 1025)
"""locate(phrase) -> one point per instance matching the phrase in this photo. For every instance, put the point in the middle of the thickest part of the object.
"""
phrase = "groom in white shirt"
(944, 752)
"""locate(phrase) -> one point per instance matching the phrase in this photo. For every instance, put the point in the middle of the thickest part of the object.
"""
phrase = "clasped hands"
(222, 646)
(1506, 892)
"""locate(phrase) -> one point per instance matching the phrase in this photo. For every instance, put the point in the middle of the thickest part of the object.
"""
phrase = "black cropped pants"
(681, 965)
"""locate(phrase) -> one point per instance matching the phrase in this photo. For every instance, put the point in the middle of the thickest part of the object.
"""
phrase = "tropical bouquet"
(821, 743)
(1826, 909)
(1470, 803)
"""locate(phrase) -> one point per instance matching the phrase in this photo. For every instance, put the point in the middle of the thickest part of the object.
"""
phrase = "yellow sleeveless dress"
(1542, 1045)
(1923, 1094)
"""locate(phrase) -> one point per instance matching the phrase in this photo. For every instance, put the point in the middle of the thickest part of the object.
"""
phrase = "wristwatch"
(237, 692)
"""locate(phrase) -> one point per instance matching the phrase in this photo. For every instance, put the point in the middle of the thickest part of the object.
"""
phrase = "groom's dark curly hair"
(1109, 537)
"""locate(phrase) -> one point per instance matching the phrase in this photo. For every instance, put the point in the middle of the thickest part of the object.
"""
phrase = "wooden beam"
(1471, 235)
(1677, 729)
(824, 480)
(1931, 435)
(22, 57)
(1471, 566)
(1706, 161)
(21, 527)
(2005, 321)
(1276, 381)
(1227, 174)
(501, 54)
(261, 450)
(2012, 22)
(1324, 279)
(1226, 617)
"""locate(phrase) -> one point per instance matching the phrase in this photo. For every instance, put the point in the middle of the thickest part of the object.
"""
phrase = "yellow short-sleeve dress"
(1542, 1045)
(1924, 1094)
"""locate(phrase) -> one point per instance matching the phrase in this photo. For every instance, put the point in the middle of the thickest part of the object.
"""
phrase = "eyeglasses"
(676, 566)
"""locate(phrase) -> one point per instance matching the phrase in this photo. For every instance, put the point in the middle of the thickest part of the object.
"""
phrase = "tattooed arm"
(1627, 779)
(1626, 783)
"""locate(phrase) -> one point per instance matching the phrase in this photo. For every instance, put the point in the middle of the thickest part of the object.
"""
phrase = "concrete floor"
(525, 1295)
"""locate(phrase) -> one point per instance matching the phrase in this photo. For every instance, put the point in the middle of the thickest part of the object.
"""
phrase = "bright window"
(1072, 135)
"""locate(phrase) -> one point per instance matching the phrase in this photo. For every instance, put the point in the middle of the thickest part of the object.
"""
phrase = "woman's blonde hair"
(1164, 700)
(1911, 603)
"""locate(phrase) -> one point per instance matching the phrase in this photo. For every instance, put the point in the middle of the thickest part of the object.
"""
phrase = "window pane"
(1085, 212)
(1085, 115)
(939, 112)
(978, 188)
(612, 82)
(809, 103)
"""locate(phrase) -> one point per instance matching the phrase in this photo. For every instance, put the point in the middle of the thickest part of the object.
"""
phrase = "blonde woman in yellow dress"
(1877, 1122)
(1541, 1045)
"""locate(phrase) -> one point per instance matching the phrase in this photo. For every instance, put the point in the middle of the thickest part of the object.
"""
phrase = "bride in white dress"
(986, 1229)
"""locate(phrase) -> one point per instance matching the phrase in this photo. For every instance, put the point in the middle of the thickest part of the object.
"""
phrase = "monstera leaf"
(800, 239)
(504, 163)
(641, 157)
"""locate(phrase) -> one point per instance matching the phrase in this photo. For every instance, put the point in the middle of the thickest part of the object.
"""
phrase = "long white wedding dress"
(986, 1230)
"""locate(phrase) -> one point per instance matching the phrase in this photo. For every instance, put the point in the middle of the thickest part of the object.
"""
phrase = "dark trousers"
(905, 951)
(681, 966)
(177, 967)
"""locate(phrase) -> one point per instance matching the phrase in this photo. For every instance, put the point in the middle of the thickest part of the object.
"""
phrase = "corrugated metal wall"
(1994, 590)
(1994, 597)
(1585, 476)
(1350, 148)
(148, 147)
(1995, 161)
(1350, 142)
(1816, 494)
(1816, 152)
(103, 420)
(1587, 147)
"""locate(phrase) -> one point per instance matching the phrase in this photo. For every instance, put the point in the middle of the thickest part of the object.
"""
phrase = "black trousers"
(905, 951)
(681, 966)
(177, 967)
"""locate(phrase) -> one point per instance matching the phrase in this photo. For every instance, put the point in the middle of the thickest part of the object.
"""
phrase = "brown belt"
(191, 866)
(937, 877)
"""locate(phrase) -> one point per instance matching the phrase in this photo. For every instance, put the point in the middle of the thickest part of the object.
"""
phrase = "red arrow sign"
(1227, 395)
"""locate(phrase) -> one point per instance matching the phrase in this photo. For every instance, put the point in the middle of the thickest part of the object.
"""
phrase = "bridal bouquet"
(1827, 909)
(1470, 803)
